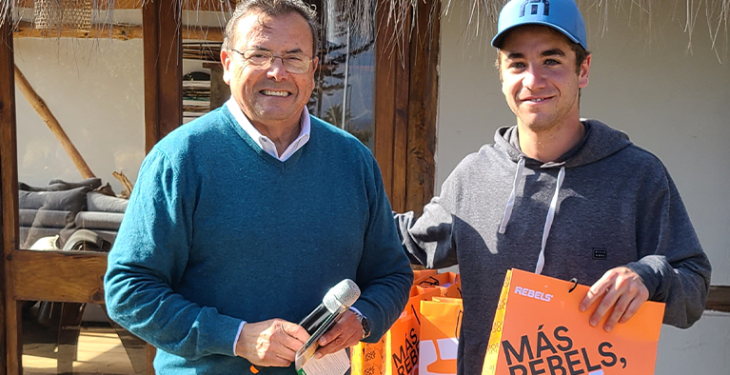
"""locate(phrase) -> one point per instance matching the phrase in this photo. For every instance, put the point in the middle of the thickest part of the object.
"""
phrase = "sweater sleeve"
(384, 274)
(429, 240)
(149, 258)
(673, 265)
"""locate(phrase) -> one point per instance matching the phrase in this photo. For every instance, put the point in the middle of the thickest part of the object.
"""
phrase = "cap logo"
(534, 7)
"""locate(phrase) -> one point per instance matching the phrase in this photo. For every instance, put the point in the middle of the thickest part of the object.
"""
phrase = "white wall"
(95, 90)
(669, 101)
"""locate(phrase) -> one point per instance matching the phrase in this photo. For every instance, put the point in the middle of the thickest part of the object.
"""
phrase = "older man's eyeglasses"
(293, 62)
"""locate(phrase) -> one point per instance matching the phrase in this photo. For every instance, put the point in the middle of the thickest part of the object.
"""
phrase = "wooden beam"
(401, 54)
(391, 100)
(7, 116)
(383, 99)
(719, 298)
(163, 80)
(25, 29)
(119, 32)
(29, 285)
(201, 5)
(220, 92)
(406, 97)
(422, 106)
(10, 338)
(162, 69)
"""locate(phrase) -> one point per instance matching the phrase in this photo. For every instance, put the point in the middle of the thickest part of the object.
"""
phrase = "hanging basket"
(63, 14)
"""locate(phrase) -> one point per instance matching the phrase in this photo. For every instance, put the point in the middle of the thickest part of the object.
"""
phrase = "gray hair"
(272, 8)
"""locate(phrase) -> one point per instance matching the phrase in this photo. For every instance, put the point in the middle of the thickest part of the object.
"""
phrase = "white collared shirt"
(263, 141)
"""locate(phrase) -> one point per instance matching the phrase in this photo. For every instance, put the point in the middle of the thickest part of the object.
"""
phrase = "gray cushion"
(99, 220)
(102, 202)
(58, 185)
(73, 200)
(44, 218)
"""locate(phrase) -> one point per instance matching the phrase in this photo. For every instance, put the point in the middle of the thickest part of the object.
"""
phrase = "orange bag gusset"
(538, 329)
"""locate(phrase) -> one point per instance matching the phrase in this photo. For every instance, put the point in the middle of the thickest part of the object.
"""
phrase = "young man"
(242, 220)
(557, 195)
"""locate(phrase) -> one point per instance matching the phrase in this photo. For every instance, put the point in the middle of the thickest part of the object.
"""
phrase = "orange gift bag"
(449, 283)
(367, 359)
(440, 326)
(401, 346)
(419, 274)
(401, 341)
(397, 352)
(539, 329)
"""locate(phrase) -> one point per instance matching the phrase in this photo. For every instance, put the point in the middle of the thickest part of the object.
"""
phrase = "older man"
(241, 220)
(557, 195)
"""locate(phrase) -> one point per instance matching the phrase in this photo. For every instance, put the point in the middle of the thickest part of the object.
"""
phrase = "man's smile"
(535, 99)
(275, 93)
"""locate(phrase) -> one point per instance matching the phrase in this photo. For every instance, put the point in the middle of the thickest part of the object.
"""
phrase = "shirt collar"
(263, 141)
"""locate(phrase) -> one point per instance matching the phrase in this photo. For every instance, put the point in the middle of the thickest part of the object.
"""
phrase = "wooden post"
(422, 106)
(7, 117)
(162, 68)
(163, 78)
(40, 106)
(406, 100)
(391, 99)
(10, 338)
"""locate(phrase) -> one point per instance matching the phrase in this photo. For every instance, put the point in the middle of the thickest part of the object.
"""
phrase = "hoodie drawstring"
(549, 221)
(511, 200)
(550, 215)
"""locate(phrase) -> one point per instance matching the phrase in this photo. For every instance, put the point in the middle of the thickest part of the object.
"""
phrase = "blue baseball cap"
(561, 15)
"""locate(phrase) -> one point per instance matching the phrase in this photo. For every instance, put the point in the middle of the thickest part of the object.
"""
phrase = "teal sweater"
(217, 231)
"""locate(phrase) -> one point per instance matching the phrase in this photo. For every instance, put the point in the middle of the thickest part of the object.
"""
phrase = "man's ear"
(498, 64)
(584, 71)
(226, 60)
(315, 64)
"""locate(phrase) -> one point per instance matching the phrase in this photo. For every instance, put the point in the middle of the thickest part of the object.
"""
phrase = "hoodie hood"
(600, 142)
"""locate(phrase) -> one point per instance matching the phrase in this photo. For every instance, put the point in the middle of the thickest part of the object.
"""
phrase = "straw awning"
(690, 14)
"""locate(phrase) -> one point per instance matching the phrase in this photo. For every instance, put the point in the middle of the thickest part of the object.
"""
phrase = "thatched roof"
(713, 14)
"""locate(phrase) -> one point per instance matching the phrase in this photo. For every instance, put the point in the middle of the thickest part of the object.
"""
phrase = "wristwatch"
(364, 322)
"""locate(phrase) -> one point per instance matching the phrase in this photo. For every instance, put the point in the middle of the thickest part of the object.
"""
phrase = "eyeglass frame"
(273, 57)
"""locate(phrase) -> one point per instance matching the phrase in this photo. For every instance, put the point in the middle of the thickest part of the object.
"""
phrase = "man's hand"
(620, 288)
(271, 343)
(345, 333)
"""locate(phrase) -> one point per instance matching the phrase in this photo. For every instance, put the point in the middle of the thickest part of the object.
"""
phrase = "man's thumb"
(295, 330)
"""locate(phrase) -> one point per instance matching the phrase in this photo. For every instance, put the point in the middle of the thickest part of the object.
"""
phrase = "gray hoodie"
(608, 203)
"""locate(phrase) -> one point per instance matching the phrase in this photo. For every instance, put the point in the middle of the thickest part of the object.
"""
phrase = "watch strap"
(364, 322)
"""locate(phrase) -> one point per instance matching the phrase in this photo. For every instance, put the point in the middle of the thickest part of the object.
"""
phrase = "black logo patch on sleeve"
(600, 253)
